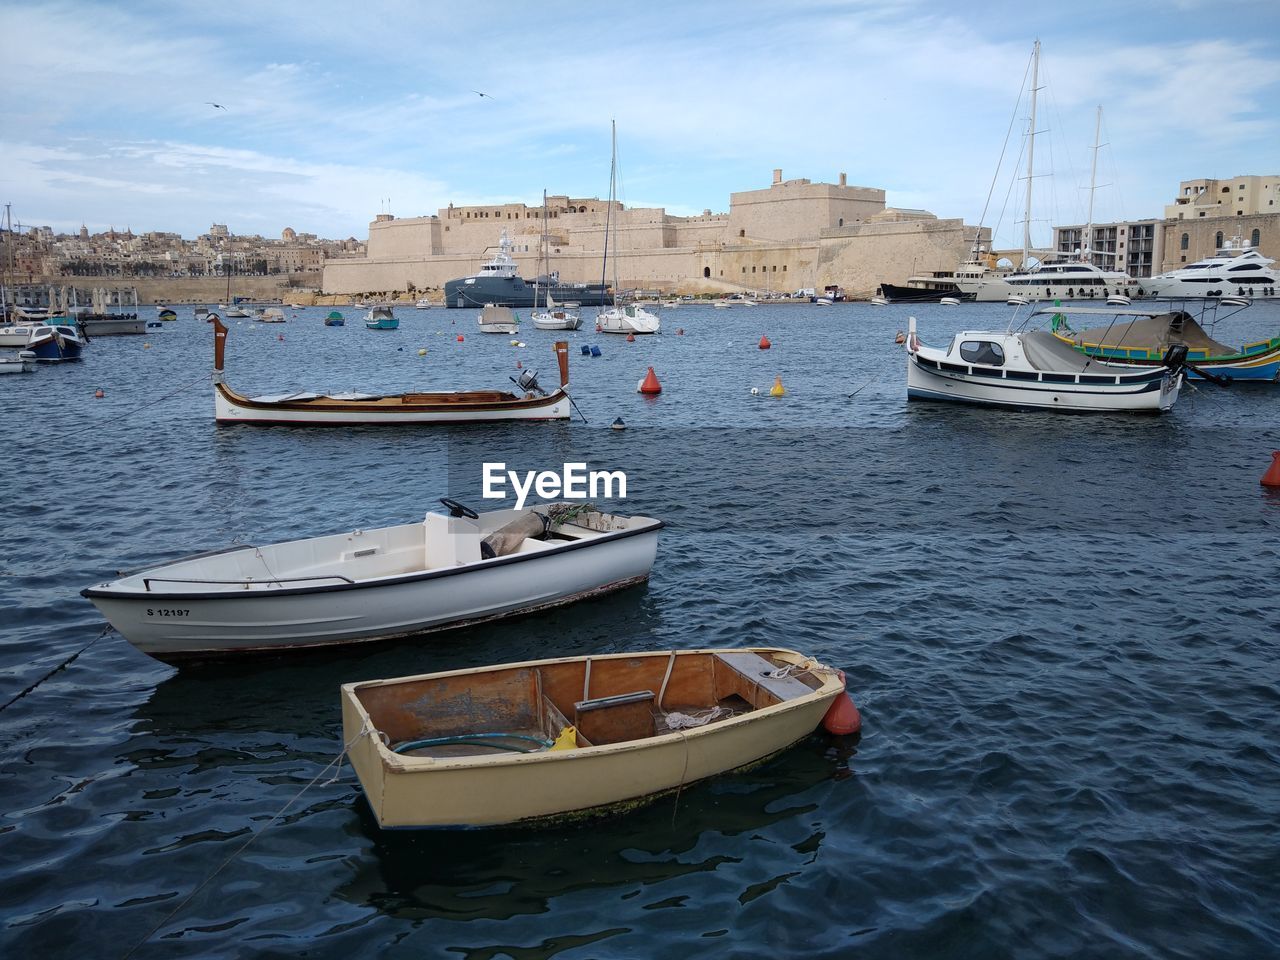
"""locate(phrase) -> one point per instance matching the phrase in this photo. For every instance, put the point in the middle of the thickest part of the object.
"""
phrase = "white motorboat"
(237, 313)
(270, 315)
(950, 301)
(494, 319)
(574, 736)
(1235, 270)
(1036, 371)
(423, 304)
(17, 334)
(439, 573)
(23, 362)
(55, 342)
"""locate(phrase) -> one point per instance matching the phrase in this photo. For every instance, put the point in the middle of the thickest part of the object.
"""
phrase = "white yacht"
(1235, 270)
(1055, 279)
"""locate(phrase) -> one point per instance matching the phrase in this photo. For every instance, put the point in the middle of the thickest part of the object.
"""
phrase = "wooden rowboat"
(602, 733)
(317, 409)
(438, 573)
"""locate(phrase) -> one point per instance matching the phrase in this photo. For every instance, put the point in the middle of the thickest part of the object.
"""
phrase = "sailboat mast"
(1087, 254)
(608, 212)
(1031, 150)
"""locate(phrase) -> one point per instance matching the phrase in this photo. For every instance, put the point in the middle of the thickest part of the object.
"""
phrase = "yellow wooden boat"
(576, 736)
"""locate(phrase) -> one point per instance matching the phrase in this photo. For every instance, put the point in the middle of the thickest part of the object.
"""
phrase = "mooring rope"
(62, 666)
(140, 407)
(335, 762)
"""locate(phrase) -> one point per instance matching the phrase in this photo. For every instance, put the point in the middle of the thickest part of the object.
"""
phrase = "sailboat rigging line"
(1000, 163)
(62, 666)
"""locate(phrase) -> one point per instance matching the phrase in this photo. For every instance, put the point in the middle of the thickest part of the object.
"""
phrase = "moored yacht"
(498, 283)
(1051, 280)
(1235, 270)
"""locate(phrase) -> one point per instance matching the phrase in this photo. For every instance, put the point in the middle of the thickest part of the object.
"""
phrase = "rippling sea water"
(1061, 631)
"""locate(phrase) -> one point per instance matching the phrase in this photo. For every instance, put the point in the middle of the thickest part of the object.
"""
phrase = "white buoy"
(755, 391)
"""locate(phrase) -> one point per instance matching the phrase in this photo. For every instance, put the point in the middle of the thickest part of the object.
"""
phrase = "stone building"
(1186, 241)
(1237, 197)
(792, 234)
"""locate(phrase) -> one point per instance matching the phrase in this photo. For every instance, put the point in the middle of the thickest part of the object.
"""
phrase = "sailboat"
(552, 317)
(229, 308)
(1062, 279)
(620, 318)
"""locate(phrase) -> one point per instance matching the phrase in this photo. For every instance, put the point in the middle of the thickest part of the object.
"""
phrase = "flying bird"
(218, 105)
(479, 94)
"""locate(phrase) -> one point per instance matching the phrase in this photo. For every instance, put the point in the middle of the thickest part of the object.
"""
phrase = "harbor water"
(1062, 634)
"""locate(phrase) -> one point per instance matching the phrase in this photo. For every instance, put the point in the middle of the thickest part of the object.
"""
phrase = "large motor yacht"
(499, 284)
(1235, 270)
(1055, 279)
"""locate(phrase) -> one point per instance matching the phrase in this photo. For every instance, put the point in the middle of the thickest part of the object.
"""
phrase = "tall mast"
(608, 212)
(1031, 150)
(613, 195)
(1086, 254)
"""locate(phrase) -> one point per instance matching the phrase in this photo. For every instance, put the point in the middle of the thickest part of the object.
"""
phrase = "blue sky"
(334, 108)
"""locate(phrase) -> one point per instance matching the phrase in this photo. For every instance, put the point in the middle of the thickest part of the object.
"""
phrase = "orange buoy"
(519, 365)
(599, 329)
(764, 343)
(842, 716)
(631, 338)
(460, 338)
(900, 337)
(99, 394)
(650, 383)
(1272, 477)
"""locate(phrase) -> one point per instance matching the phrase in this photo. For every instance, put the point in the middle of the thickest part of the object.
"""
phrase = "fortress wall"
(864, 255)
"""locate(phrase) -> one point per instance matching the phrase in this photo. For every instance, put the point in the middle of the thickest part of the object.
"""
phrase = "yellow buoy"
(777, 390)
(568, 739)
(422, 352)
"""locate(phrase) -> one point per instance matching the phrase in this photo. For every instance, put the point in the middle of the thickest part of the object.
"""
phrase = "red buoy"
(842, 716)
(680, 331)
(99, 394)
(460, 338)
(280, 337)
(1272, 477)
(631, 338)
(650, 383)
(764, 343)
(519, 365)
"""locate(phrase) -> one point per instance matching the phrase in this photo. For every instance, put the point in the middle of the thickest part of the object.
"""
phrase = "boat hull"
(898, 294)
(230, 407)
(415, 792)
(170, 625)
(927, 380)
(1258, 362)
(114, 326)
(515, 292)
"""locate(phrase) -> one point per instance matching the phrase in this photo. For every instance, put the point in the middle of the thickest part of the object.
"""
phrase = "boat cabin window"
(982, 351)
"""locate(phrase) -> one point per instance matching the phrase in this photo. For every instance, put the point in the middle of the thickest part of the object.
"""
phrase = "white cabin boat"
(494, 319)
(573, 737)
(1035, 371)
(442, 572)
(629, 318)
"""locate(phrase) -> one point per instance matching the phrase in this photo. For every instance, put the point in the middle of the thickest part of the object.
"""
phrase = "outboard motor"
(1175, 358)
(528, 382)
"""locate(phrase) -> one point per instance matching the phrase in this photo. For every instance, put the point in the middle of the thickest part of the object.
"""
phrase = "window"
(1226, 189)
(706, 273)
(1217, 239)
(1186, 239)
(1256, 238)
(982, 351)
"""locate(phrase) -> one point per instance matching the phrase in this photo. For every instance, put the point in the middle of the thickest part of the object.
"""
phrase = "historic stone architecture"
(792, 234)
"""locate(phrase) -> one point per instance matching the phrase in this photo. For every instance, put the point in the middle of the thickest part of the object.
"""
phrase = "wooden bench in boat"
(757, 670)
(625, 716)
(470, 396)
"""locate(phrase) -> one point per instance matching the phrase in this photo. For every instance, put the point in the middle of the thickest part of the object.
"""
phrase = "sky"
(334, 112)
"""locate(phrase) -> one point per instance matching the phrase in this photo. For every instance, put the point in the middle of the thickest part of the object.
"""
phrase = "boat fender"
(842, 716)
(568, 739)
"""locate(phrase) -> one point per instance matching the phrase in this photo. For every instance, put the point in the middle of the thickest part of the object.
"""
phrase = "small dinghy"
(334, 319)
(880, 301)
(441, 572)
(573, 737)
(950, 301)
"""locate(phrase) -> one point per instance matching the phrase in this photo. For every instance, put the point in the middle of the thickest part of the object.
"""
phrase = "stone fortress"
(793, 234)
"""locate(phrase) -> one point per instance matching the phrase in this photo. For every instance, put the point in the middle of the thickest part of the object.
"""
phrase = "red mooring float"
(650, 383)
(1272, 477)
(764, 343)
(842, 716)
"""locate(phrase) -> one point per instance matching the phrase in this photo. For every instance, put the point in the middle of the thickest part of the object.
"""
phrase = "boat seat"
(449, 542)
(756, 669)
(624, 716)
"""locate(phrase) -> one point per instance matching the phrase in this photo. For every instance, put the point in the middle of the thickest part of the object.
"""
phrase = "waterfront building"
(789, 235)
(1135, 247)
(1237, 197)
